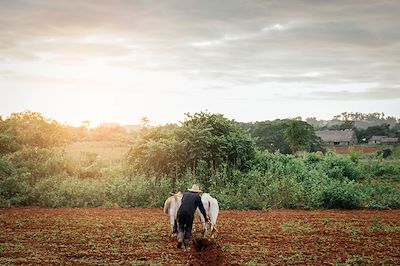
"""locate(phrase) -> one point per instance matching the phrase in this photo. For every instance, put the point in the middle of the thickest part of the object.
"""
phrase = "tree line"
(245, 165)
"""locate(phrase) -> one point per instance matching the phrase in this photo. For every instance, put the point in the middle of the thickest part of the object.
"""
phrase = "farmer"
(190, 202)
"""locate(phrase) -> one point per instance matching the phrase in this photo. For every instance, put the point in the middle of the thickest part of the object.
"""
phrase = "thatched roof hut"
(338, 137)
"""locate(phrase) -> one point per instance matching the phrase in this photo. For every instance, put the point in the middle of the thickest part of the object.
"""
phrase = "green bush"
(13, 188)
(255, 190)
(228, 201)
(45, 177)
(134, 191)
(314, 184)
(13, 191)
(38, 163)
(341, 194)
(382, 168)
(339, 168)
(60, 191)
(381, 196)
(385, 153)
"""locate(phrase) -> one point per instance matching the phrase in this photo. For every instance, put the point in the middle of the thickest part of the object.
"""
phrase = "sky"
(251, 60)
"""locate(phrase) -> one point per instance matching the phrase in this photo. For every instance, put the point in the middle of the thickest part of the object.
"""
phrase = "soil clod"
(202, 243)
(207, 252)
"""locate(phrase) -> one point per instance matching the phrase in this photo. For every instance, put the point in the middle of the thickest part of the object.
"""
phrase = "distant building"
(338, 137)
(382, 140)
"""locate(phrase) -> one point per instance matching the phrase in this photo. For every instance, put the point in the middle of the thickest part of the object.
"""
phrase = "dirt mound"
(207, 252)
(202, 243)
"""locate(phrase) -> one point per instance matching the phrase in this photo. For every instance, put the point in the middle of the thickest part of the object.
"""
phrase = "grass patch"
(109, 152)
(296, 227)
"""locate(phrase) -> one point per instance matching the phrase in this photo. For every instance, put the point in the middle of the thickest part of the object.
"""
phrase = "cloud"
(30, 79)
(375, 93)
(214, 88)
(309, 44)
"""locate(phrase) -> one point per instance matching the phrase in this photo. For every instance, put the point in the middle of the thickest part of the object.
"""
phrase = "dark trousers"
(185, 224)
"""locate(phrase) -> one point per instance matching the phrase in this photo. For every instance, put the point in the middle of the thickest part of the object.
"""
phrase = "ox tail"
(167, 205)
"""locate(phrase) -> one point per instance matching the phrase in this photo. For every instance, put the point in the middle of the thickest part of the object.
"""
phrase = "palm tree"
(145, 121)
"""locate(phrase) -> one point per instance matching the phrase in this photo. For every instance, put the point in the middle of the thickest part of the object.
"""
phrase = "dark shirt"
(190, 202)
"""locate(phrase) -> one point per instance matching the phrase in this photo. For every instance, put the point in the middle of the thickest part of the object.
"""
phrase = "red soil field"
(85, 236)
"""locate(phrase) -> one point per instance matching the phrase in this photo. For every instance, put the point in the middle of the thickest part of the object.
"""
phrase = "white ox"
(212, 210)
(172, 204)
(171, 207)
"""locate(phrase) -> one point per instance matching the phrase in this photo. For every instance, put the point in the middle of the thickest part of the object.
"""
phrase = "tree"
(286, 136)
(297, 134)
(225, 141)
(145, 121)
(33, 129)
(8, 141)
(268, 136)
(347, 124)
(365, 134)
(203, 144)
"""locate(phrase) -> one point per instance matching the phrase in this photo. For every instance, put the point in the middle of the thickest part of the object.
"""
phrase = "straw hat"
(195, 188)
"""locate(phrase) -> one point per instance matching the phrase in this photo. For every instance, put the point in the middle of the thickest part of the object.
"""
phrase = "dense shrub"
(339, 168)
(38, 163)
(381, 196)
(122, 191)
(13, 188)
(382, 169)
(59, 191)
(341, 194)
(275, 181)
(207, 149)
(13, 191)
(385, 153)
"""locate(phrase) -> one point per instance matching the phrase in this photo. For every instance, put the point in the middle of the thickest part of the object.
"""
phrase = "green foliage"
(341, 194)
(340, 168)
(116, 190)
(381, 196)
(157, 151)
(396, 152)
(347, 124)
(137, 191)
(207, 149)
(385, 153)
(8, 143)
(269, 136)
(297, 135)
(383, 129)
(32, 129)
(345, 116)
(13, 188)
(203, 144)
(354, 155)
(286, 136)
(38, 163)
(384, 169)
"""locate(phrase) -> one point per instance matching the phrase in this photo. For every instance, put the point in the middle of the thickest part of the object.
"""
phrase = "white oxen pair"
(172, 204)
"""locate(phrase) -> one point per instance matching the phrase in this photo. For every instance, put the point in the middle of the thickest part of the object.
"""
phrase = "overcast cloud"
(251, 60)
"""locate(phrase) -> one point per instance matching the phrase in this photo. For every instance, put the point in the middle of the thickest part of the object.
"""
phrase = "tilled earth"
(85, 236)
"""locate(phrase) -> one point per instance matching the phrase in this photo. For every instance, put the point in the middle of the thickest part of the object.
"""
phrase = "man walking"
(190, 202)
